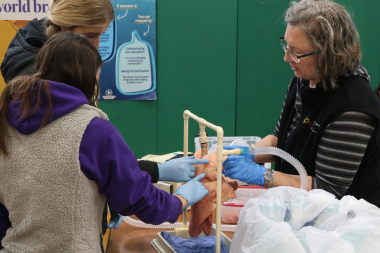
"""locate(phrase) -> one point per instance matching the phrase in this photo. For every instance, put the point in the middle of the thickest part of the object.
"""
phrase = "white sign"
(23, 9)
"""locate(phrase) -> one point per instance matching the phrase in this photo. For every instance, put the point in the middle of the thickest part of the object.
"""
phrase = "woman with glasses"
(330, 116)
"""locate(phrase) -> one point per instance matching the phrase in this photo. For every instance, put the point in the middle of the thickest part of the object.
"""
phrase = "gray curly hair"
(333, 35)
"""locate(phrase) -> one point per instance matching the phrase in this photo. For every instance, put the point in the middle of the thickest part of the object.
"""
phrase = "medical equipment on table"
(220, 153)
(183, 229)
(227, 141)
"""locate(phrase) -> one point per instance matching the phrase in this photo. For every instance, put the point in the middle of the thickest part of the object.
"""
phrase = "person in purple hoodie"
(91, 18)
(60, 158)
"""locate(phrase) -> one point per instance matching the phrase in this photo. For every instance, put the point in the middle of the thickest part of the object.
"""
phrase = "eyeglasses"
(295, 57)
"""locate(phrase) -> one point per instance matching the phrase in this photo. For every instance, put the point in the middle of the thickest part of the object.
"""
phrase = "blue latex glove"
(244, 169)
(115, 220)
(193, 190)
(179, 170)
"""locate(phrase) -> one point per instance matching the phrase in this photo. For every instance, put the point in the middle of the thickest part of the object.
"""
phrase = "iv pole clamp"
(219, 157)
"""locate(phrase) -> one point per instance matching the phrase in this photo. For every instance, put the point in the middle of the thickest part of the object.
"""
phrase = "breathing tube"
(284, 155)
(244, 151)
(167, 225)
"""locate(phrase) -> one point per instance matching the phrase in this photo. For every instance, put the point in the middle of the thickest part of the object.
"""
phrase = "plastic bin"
(213, 141)
(230, 210)
(226, 141)
(243, 193)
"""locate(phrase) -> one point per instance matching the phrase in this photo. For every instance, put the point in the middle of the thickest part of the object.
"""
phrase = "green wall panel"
(262, 75)
(366, 17)
(136, 122)
(196, 62)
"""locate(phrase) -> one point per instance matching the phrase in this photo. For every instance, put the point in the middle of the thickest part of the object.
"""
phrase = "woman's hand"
(192, 191)
(115, 220)
(179, 170)
(244, 169)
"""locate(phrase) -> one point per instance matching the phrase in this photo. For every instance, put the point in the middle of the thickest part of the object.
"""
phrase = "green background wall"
(222, 61)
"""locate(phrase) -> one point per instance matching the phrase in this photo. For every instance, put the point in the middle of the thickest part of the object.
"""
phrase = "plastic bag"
(287, 219)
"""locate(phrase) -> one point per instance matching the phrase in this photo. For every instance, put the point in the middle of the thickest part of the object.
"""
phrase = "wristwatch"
(268, 178)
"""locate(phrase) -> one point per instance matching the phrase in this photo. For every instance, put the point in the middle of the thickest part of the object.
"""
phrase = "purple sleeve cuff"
(105, 157)
(177, 208)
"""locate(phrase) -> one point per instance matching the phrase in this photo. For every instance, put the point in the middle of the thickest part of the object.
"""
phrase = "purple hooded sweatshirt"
(105, 158)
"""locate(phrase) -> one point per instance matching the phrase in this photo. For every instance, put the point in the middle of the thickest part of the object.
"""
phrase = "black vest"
(319, 109)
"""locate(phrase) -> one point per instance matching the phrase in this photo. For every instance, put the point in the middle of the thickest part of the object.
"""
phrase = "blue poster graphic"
(128, 49)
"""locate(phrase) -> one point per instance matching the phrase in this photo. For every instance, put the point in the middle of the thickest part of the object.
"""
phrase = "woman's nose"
(95, 41)
(287, 57)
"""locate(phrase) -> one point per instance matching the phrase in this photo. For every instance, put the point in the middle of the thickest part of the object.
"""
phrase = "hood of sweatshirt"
(65, 98)
(23, 49)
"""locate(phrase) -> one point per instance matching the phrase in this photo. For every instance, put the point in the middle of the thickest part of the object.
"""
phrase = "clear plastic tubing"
(167, 225)
(284, 155)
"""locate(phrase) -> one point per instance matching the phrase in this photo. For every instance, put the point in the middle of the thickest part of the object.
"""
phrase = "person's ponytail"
(51, 28)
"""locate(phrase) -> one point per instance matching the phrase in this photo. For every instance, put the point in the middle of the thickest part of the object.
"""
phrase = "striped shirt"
(342, 145)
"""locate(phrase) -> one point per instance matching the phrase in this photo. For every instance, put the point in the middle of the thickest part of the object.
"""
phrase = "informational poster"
(128, 49)
(15, 14)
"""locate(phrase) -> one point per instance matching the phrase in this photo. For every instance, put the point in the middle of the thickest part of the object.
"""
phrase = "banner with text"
(23, 9)
(128, 48)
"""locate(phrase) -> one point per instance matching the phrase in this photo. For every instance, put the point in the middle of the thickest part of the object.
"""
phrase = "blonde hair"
(333, 35)
(74, 13)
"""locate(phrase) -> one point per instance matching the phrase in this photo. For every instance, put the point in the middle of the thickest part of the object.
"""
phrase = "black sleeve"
(151, 168)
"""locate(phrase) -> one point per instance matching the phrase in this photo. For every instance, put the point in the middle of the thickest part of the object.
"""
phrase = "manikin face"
(300, 44)
(92, 33)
